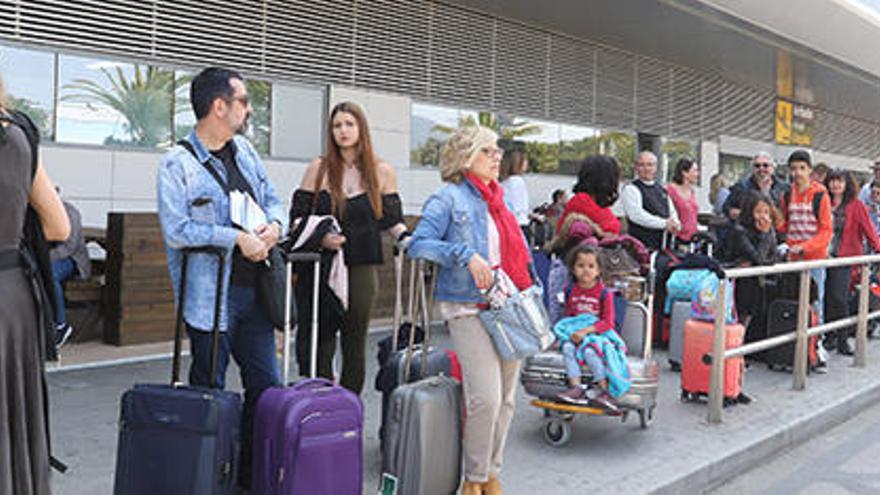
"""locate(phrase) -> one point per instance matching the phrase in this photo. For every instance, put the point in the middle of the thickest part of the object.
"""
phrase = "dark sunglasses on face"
(763, 165)
(244, 100)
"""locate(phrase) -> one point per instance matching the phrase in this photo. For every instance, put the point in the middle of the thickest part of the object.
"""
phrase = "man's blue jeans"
(61, 270)
(250, 339)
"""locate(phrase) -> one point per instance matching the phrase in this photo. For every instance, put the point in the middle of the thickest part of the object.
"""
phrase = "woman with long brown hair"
(351, 183)
(24, 443)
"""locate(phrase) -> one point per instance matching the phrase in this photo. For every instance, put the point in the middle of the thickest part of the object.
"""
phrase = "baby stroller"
(544, 377)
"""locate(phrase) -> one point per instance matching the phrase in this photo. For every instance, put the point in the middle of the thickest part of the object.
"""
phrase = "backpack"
(35, 247)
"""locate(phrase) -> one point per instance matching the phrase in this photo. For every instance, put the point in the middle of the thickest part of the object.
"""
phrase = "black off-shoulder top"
(361, 228)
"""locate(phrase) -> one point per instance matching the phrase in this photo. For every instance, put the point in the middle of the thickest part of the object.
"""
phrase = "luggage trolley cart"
(544, 375)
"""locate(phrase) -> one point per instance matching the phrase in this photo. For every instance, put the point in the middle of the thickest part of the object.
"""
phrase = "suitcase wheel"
(557, 431)
(686, 396)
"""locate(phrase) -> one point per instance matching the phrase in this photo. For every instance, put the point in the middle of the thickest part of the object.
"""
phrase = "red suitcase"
(696, 365)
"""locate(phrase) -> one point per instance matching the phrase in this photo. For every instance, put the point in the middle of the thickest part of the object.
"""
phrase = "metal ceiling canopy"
(699, 36)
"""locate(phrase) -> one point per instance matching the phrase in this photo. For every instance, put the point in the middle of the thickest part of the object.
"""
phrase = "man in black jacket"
(762, 179)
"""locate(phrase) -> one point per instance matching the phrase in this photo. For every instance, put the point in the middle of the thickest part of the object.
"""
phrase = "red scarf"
(515, 257)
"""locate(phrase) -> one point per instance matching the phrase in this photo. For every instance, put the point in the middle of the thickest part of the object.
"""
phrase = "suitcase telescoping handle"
(220, 253)
(419, 287)
(291, 258)
(398, 296)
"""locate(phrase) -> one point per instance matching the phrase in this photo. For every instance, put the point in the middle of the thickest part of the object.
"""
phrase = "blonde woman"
(466, 228)
(24, 443)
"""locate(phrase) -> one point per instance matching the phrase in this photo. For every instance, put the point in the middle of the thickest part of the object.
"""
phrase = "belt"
(9, 259)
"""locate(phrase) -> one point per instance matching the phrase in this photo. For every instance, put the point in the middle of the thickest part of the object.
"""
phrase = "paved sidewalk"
(680, 452)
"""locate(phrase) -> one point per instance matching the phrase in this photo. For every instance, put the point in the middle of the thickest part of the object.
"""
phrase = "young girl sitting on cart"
(587, 333)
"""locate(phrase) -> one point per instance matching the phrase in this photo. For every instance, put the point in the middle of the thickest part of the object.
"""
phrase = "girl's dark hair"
(682, 166)
(599, 177)
(557, 194)
(582, 248)
(850, 190)
(752, 200)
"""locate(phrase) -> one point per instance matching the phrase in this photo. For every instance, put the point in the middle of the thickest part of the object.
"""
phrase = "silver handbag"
(516, 320)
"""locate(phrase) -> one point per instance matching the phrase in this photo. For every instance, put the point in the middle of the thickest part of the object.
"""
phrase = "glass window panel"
(431, 125)
(673, 150)
(622, 146)
(184, 118)
(576, 143)
(260, 93)
(31, 91)
(113, 103)
(540, 138)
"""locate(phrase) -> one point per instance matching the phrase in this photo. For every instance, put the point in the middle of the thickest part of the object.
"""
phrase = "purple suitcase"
(307, 437)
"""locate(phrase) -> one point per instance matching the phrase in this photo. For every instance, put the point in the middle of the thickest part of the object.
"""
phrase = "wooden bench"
(139, 296)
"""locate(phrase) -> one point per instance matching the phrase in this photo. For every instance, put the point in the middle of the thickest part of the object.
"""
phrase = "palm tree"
(144, 100)
(507, 128)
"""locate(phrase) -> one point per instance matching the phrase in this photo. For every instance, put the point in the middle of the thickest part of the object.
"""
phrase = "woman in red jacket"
(594, 193)
(852, 228)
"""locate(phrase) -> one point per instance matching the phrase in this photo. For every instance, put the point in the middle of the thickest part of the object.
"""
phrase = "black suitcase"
(176, 439)
(782, 318)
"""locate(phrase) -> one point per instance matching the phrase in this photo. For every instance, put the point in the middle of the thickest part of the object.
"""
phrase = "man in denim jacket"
(194, 212)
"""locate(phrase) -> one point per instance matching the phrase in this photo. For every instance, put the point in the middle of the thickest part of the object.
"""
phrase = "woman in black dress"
(360, 191)
(24, 451)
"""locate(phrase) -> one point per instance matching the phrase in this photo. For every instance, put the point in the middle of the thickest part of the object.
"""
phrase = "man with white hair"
(762, 179)
(648, 208)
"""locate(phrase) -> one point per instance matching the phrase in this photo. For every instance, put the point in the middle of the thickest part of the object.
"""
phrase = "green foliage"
(508, 129)
(260, 93)
(427, 154)
(37, 114)
(144, 100)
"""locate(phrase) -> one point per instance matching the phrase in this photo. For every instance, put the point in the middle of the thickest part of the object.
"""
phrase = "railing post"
(719, 337)
(862, 326)
(801, 344)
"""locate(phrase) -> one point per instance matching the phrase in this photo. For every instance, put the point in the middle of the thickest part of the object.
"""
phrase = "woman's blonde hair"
(462, 148)
(715, 184)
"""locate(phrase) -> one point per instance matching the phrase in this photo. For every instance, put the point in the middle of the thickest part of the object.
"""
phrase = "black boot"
(843, 346)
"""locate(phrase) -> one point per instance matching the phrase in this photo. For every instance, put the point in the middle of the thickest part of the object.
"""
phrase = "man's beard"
(243, 129)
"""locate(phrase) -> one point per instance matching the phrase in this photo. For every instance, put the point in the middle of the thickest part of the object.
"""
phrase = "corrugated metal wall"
(428, 50)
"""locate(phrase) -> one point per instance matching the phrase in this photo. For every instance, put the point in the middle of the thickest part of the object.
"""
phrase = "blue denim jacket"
(454, 226)
(194, 212)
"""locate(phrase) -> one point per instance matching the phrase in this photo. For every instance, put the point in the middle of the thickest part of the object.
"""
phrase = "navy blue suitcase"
(176, 439)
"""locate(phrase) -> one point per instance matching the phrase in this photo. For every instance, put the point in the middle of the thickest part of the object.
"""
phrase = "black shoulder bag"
(272, 275)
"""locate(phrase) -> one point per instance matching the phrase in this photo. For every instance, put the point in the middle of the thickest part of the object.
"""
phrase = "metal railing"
(803, 332)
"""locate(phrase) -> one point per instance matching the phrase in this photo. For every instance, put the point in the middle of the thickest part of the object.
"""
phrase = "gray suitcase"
(543, 376)
(422, 447)
(681, 311)
(423, 443)
(633, 331)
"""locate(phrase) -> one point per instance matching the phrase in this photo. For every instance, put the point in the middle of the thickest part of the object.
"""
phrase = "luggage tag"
(389, 484)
